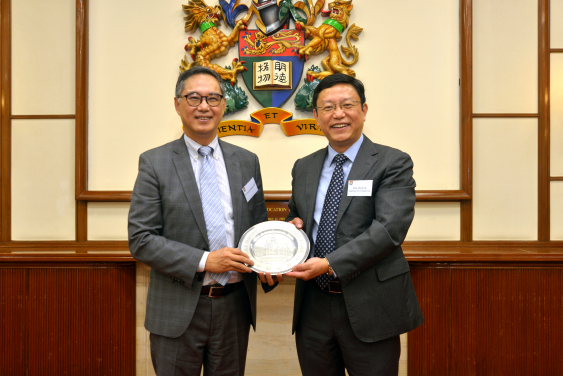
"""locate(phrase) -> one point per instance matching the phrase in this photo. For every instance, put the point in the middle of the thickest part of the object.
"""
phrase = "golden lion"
(213, 43)
(326, 37)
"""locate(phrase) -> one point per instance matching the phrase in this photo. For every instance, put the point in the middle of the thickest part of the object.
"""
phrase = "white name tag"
(359, 187)
(250, 189)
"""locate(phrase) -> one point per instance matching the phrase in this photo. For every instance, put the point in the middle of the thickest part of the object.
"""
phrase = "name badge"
(250, 189)
(360, 187)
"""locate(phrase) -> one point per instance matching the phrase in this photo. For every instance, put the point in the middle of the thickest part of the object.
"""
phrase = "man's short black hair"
(192, 72)
(339, 78)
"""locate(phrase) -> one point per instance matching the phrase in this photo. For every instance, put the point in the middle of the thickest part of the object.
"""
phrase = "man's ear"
(177, 104)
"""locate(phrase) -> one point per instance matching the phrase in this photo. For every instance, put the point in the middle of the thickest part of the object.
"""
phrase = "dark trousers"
(326, 344)
(217, 339)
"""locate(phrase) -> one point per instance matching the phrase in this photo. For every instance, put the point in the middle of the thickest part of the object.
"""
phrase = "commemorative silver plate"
(275, 246)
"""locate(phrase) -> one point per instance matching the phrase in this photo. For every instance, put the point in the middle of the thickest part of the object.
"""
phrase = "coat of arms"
(271, 58)
(274, 66)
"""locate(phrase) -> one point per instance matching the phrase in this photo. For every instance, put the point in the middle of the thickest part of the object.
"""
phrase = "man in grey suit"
(355, 200)
(192, 201)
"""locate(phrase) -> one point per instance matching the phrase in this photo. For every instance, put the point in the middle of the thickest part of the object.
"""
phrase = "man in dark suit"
(192, 201)
(355, 200)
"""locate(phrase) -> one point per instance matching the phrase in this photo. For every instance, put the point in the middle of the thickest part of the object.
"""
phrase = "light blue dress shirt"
(324, 181)
(226, 201)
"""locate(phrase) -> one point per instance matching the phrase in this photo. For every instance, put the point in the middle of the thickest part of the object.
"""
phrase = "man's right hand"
(228, 259)
(297, 222)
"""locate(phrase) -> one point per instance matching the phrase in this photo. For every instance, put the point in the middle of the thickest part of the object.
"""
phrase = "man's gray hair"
(192, 72)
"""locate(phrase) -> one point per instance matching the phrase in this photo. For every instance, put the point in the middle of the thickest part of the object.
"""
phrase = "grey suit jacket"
(167, 229)
(368, 259)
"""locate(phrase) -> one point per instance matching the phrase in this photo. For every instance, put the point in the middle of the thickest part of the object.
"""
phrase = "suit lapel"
(185, 171)
(365, 159)
(312, 185)
(235, 183)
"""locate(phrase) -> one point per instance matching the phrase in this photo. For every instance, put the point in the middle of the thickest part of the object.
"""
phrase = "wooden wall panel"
(67, 320)
(429, 350)
(13, 310)
(507, 321)
(277, 210)
(82, 321)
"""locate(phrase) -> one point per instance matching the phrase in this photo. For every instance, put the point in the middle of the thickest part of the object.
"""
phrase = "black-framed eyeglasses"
(194, 99)
(346, 106)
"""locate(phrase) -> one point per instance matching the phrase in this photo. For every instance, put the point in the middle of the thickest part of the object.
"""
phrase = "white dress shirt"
(326, 176)
(226, 201)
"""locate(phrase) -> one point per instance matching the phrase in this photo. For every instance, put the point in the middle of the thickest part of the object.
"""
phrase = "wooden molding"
(69, 245)
(277, 195)
(6, 126)
(104, 196)
(442, 196)
(543, 122)
(556, 178)
(66, 258)
(425, 196)
(81, 123)
(41, 117)
(505, 115)
(466, 121)
(506, 252)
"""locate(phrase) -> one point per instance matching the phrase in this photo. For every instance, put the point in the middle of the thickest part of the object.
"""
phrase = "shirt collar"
(193, 147)
(350, 153)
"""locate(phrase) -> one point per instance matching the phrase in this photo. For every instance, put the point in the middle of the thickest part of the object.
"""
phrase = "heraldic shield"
(274, 67)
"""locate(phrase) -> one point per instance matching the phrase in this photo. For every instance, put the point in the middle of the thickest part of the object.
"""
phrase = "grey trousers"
(216, 339)
(326, 344)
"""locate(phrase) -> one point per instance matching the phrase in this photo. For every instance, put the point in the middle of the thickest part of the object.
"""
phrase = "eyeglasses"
(194, 99)
(346, 106)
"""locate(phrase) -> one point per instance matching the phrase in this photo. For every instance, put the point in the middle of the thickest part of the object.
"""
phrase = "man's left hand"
(312, 268)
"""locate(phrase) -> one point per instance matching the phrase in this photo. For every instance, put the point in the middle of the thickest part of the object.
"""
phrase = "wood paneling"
(488, 318)
(277, 210)
(13, 315)
(73, 320)
(507, 321)
(429, 344)
(82, 321)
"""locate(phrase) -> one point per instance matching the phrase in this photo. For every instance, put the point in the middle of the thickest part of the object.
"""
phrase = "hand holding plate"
(228, 259)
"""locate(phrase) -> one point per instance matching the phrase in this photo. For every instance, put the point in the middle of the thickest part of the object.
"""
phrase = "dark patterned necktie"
(324, 244)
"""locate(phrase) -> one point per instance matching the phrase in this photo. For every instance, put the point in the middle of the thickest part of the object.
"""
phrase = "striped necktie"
(212, 208)
(324, 244)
